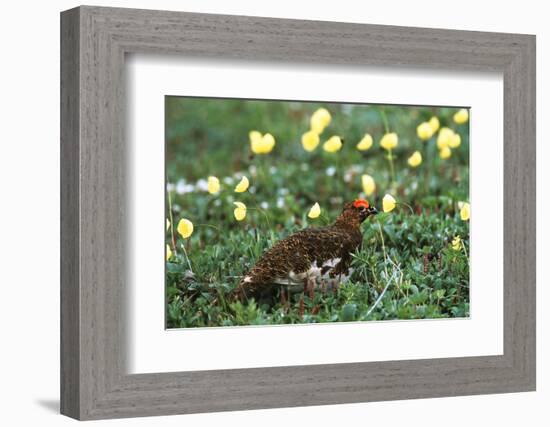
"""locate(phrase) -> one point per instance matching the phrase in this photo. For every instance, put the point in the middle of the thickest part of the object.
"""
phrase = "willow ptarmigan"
(312, 255)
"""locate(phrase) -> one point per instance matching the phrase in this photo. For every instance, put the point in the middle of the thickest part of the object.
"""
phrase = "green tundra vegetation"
(242, 174)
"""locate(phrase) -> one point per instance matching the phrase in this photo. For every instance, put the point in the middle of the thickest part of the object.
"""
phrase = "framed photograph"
(262, 213)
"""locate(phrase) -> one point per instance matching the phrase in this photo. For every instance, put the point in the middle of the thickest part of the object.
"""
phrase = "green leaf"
(348, 312)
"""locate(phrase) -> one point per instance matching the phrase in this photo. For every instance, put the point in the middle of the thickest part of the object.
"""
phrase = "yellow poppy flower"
(254, 135)
(168, 252)
(213, 185)
(315, 211)
(461, 116)
(388, 203)
(255, 141)
(316, 126)
(424, 131)
(242, 186)
(445, 153)
(454, 141)
(240, 211)
(320, 119)
(465, 212)
(261, 144)
(415, 159)
(456, 244)
(434, 123)
(365, 143)
(369, 186)
(389, 141)
(268, 142)
(310, 140)
(167, 224)
(333, 144)
(185, 228)
(444, 137)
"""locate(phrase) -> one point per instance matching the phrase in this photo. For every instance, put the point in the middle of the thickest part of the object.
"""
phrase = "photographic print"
(293, 212)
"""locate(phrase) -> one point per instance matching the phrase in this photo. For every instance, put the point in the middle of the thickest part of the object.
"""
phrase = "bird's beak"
(373, 210)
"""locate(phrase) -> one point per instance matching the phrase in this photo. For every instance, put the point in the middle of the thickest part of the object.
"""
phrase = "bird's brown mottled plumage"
(314, 246)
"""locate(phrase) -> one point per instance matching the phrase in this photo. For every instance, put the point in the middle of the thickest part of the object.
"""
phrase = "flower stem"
(187, 258)
(264, 214)
(383, 247)
(209, 225)
(340, 174)
(171, 223)
(407, 205)
(465, 252)
(392, 170)
(384, 119)
(390, 155)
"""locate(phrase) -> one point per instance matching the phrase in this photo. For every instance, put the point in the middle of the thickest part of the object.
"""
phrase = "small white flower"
(253, 170)
(229, 180)
(280, 203)
(283, 191)
(331, 170)
(348, 176)
(180, 185)
(202, 185)
(264, 205)
(252, 189)
(183, 188)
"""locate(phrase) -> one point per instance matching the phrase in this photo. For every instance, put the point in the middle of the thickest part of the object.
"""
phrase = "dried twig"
(387, 260)
(382, 294)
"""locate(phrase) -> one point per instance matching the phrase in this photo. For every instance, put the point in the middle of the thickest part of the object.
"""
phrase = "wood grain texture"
(94, 382)
(70, 292)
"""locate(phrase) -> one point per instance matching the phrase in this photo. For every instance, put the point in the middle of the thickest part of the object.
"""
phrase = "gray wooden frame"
(94, 41)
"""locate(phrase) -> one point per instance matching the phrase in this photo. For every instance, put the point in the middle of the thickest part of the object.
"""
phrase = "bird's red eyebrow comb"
(361, 202)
